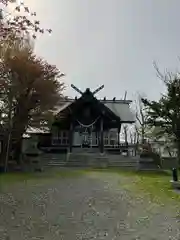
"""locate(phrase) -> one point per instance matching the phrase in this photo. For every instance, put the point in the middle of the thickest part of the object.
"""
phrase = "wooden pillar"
(118, 137)
(102, 136)
(70, 137)
(118, 130)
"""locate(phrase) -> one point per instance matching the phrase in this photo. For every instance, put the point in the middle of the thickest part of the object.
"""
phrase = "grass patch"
(152, 185)
(68, 173)
(16, 177)
(12, 178)
(155, 186)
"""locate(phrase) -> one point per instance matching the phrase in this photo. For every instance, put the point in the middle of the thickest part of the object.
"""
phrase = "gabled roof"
(119, 107)
(122, 110)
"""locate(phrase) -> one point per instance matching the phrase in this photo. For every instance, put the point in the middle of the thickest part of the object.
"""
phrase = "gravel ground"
(92, 206)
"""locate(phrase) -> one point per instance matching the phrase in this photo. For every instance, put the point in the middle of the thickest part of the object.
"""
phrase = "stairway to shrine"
(123, 161)
(96, 160)
(54, 160)
(90, 159)
(87, 159)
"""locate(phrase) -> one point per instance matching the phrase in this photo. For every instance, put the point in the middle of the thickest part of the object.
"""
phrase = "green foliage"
(156, 159)
(29, 94)
(152, 155)
(165, 113)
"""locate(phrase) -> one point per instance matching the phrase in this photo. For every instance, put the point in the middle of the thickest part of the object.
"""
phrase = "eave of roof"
(70, 100)
(118, 107)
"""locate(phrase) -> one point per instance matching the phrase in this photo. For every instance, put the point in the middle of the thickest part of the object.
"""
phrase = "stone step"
(100, 165)
(73, 159)
(120, 165)
(96, 162)
(86, 165)
(89, 160)
(56, 164)
(86, 153)
(91, 164)
(120, 161)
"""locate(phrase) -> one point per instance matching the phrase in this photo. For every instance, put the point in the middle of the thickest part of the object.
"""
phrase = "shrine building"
(88, 122)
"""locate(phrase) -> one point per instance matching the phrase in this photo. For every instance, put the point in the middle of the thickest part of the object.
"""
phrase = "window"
(113, 138)
(106, 138)
(64, 134)
(97, 139)
(60, 138)
(64, 137)
(55, 136)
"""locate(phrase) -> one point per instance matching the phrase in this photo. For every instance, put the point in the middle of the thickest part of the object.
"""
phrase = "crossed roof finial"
(94, 92)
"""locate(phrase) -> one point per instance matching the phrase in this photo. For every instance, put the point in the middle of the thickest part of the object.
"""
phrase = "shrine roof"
(119, 107)
(122, 110)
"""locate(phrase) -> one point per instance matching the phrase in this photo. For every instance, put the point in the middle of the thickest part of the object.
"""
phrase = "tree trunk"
(169, 151)
(17, 151)
(178, 152)
(142, 135)
(4, 153)
(19, 123)
(17, 138)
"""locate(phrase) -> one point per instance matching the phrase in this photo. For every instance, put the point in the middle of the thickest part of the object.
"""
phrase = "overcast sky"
(111, 42)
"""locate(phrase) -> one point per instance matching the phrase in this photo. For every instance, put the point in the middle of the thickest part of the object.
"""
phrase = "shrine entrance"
(86, 139)
(87, 133)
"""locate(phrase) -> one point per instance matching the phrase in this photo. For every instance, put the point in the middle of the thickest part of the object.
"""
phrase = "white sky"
(110, 42)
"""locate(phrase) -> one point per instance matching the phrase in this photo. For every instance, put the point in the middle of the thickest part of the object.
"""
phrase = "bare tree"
(141, 127)
(125, 132)
(134, 137)
(21, 21)
(131, 135)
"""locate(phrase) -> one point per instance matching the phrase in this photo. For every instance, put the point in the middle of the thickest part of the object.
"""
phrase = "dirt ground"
(92, 206)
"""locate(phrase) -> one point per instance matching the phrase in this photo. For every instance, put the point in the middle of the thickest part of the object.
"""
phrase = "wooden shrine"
(88, 122)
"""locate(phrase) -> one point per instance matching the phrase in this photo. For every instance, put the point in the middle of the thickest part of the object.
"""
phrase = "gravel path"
(87, 207)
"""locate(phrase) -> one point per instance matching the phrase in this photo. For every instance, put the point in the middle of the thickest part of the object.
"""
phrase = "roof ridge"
(101, 100)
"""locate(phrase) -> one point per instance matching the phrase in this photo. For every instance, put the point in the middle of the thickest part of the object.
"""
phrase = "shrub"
(156, 158)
